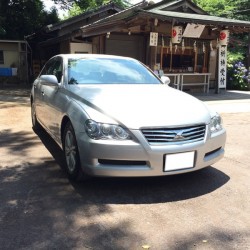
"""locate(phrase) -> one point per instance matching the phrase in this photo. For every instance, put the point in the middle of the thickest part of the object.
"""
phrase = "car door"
(40, 88)
(52, 99)
(38, 92)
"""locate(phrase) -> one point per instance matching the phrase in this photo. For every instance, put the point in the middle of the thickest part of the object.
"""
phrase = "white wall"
(80, 48)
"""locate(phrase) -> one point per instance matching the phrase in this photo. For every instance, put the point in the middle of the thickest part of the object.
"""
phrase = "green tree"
(76, 7)
(73, 11)
(237, 9)
(19, 18)
(242, 10)
(84, 5)
(238, 74)
(217, 7)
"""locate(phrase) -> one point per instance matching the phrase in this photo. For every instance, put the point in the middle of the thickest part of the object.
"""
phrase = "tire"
(71, 154)
(35, 124)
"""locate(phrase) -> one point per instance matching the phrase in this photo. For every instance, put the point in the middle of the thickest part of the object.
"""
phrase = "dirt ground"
(41, 209)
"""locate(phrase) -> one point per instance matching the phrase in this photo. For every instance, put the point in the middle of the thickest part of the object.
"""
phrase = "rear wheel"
(71, 154)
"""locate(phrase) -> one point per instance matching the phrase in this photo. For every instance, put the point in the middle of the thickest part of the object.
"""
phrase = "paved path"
(227, 102)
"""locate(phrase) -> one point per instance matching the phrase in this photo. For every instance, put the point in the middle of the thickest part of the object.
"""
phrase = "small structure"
(176, 38)
(13, 62)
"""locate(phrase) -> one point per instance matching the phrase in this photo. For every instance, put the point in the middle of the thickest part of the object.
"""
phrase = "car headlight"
(97, 130)
(216, 123)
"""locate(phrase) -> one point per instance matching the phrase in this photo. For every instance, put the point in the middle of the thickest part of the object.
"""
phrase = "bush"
(238, 76)
(237, 73)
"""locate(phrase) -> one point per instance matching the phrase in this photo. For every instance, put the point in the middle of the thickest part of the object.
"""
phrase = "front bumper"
(137, 159)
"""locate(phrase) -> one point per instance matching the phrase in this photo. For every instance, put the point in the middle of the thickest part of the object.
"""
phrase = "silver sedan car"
(113, 117)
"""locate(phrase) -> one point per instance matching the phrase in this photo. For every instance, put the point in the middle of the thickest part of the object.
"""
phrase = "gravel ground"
(41, 209)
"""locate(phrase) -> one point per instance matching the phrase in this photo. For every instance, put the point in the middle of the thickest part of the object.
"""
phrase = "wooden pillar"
(248, 54)
(216, 87)
(195, 61)
(153, 51)
(101, 44)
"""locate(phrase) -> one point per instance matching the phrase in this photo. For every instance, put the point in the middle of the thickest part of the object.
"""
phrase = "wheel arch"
(75, 114)
(65, 120)
(31, 99)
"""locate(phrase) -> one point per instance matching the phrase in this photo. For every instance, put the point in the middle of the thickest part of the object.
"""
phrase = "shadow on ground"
(141, 190)
(15, 91)
(214, 238)
(41, 209)
(17, 143)
(14, 97)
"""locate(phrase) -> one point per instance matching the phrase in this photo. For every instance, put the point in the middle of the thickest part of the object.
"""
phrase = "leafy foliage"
(237, 73)
(76, 7)
(73, 11)
(217, 7)
(84, 5)
(19, 18)
(239, 76)
(242, 10)
(236, 9)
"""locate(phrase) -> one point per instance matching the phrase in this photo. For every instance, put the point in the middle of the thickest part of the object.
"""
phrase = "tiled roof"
(196, 18)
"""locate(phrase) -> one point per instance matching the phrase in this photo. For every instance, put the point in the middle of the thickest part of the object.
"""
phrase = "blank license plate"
(179, 161)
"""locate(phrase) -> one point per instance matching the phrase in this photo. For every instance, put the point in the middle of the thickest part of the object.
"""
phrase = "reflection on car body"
(113, 117)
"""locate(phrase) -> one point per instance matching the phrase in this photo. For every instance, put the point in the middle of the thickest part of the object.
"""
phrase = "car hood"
(137, 106)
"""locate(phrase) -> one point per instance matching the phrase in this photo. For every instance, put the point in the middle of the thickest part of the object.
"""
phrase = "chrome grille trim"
(174, 135)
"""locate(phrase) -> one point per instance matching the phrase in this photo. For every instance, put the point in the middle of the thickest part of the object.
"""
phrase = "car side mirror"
(50, 80)
(165, 80)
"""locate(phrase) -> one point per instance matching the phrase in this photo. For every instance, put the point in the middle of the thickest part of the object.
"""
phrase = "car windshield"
(108, 71)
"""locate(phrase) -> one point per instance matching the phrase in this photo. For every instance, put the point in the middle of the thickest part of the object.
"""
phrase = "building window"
(1, 57)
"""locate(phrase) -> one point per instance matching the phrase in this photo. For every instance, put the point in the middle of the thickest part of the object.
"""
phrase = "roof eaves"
(84, 15)
(161, 5)
(54, 40)
(194, 18)
(13, 41)
(129, 12)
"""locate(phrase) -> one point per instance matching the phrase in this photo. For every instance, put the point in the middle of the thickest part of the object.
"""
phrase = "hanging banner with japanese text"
(153, 39)
(222, 74)
(176, 34)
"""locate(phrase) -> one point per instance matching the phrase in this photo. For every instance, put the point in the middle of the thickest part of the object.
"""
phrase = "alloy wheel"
(70, 151)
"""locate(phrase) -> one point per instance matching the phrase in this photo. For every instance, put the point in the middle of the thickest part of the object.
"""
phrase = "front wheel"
(71, 154)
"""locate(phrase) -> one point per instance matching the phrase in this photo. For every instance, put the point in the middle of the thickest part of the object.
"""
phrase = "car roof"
(76, 56)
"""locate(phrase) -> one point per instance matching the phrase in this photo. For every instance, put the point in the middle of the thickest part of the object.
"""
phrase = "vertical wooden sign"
(222, 67)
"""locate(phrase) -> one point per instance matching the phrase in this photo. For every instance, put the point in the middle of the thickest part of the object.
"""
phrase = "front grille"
(174, 135)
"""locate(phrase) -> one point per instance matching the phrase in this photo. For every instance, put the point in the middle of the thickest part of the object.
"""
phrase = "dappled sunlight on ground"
(41, 209)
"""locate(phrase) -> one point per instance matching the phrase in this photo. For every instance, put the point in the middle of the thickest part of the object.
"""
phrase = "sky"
(49, 3)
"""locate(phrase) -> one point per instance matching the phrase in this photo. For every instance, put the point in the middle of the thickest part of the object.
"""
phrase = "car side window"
(53, 67)
(46, 68)
(57, 70)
